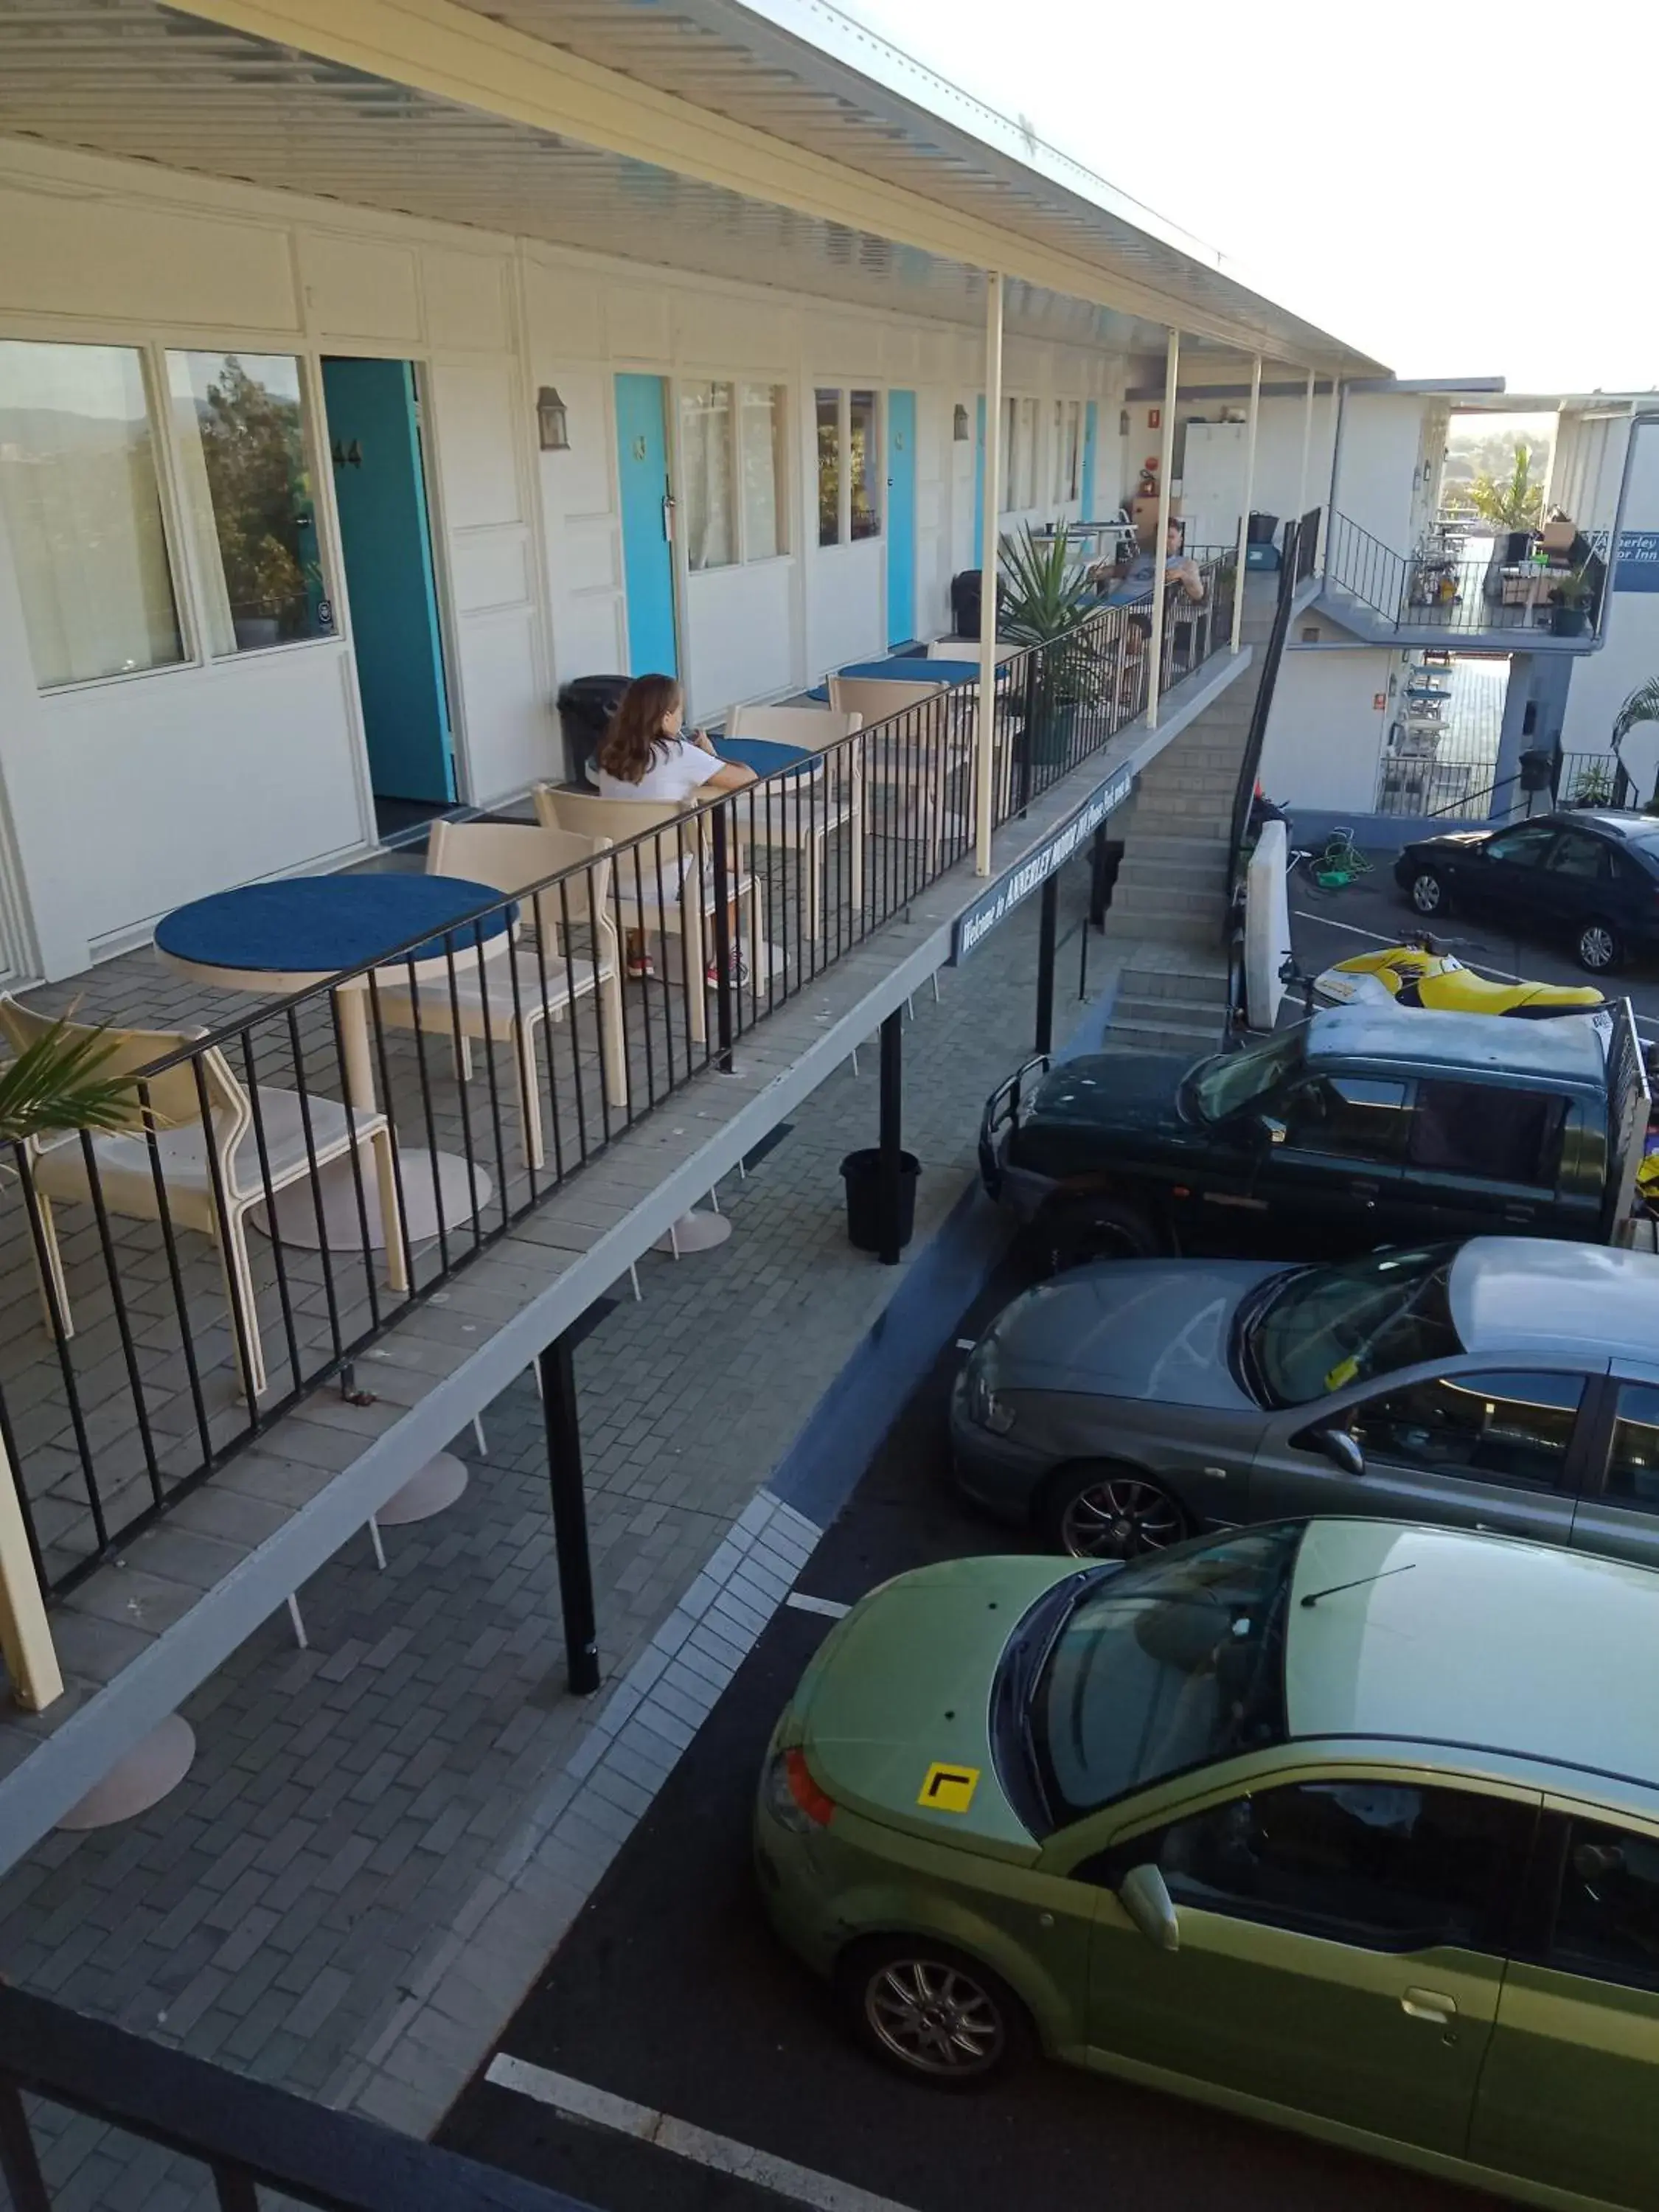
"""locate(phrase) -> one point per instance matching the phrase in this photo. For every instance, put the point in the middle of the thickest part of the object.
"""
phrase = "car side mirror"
(1274, 1132)
(1144, 1896)
(1342, 1450)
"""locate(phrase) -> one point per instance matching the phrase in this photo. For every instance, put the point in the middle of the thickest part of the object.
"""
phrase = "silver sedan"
(1507, 1384)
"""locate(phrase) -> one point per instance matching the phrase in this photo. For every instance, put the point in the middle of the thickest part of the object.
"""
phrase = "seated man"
(1130, 580)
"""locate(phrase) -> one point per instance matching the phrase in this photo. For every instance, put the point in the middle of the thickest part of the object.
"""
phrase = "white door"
(1213, 483)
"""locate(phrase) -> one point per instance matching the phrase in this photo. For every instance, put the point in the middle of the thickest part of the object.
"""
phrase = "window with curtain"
(828, 413)
(863, 455)
(708, 470)
(1025, 444)
(81, 498)
(762, 430)
(239, 423)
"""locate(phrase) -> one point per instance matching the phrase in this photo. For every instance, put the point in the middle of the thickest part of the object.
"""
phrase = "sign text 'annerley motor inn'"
(993, 908)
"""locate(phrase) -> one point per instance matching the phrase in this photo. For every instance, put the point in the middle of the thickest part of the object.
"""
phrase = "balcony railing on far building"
(1465, 587)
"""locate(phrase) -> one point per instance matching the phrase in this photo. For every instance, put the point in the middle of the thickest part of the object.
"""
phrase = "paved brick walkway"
(352, 1803)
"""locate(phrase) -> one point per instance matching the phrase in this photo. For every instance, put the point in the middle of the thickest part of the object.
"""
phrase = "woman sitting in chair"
(644, 754)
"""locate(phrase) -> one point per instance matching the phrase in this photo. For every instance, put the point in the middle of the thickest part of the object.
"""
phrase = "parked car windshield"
(1319, 1328)
(1222, 1086)
(1175, 1661)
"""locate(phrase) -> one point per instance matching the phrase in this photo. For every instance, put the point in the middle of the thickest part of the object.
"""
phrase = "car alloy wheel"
(1428, 893)
(1598, 948)
(1118, 1516)
(934, 2016)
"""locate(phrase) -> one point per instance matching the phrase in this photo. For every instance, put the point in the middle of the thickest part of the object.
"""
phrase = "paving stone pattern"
(351, 1803)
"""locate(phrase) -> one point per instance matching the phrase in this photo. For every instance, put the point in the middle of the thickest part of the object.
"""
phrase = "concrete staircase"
(1169, 902)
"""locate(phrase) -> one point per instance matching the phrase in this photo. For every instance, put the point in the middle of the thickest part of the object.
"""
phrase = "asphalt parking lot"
(1330, 926)
(672, 2001)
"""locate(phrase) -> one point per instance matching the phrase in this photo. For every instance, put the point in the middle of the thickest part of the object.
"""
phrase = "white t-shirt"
(674, 774)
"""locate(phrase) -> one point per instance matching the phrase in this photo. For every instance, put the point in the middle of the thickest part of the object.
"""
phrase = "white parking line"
(966, 1343)
(580, 2100)
(830, 1608)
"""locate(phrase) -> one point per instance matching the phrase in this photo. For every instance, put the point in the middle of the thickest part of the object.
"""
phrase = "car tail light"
(792, 1798)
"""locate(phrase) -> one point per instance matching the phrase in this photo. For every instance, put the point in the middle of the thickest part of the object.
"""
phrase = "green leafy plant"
(1045, 597)
(1592, 786)
(57, 1083)
(1573, 590)
(1512, 502)
(1642, 706)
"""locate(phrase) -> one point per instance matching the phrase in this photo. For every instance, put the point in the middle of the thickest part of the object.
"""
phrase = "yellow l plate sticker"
(949, 1789)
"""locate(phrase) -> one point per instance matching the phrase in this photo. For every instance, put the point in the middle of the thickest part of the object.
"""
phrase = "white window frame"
(183, 554)
(843, 392)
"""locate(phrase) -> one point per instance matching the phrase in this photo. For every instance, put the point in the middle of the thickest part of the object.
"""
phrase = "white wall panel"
(465, 296)
(360, 288)
(94, 257)
(512, 737)
(738, 635)
(639, 324)
(242, 770)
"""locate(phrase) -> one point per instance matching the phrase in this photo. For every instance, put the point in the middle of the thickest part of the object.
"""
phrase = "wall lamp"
(552, 423)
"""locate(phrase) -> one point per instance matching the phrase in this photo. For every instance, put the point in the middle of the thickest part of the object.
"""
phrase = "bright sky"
(1460, 189)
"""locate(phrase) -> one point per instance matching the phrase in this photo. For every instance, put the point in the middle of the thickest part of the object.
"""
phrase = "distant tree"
(255, 458)
(1513, 503)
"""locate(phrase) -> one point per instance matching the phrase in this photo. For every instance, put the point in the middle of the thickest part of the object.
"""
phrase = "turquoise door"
(1090, 424)
(979, 488)
(380, 493)
(900, 517)
(648, 554)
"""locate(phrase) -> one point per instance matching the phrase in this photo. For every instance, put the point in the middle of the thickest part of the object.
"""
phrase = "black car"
(1589, 876)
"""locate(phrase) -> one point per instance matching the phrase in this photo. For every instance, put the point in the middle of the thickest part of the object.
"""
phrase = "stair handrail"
(1253, 738)
(1365, 568)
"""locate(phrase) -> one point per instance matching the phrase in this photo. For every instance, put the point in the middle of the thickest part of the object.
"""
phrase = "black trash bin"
(861, 1172)
(586, 705)
(1537, 766)
(1261, 529)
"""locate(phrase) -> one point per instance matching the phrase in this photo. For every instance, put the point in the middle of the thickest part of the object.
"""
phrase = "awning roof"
(696, 134)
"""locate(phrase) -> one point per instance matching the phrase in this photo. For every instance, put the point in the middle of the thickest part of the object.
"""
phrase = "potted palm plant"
(1570, 605)
(1046, 596)
(57, 1083)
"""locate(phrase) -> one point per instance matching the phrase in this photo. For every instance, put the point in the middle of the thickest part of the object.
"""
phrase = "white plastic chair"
(781, 814)
(666, 886)
(508, 997)
(193, 1155)
(917, 759)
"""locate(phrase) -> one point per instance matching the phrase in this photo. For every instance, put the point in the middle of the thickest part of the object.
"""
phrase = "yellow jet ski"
(1421, 976)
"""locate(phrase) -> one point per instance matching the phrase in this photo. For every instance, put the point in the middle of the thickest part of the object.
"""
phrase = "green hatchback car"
(1353, 1826)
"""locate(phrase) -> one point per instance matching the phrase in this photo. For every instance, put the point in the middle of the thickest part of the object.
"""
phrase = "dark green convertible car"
(1348, 1825)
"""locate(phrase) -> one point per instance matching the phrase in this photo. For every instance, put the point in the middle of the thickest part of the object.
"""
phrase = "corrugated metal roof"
(135, 79)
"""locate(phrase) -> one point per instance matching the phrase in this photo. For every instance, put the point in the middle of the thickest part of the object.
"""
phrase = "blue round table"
(916, 670)
(768, 757)
(314, 926)
(301, 933)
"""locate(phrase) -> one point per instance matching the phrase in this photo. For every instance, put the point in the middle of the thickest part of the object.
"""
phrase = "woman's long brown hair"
(636, 735)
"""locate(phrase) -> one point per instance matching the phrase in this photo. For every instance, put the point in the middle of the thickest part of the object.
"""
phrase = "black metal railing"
(1592, 780)
(1417, 783)
(1261, 707)
(1307, 544)
(1442, 588)
(289, 1183)
(246, 2136)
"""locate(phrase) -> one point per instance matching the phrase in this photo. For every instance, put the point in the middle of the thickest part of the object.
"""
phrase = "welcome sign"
(992, 908)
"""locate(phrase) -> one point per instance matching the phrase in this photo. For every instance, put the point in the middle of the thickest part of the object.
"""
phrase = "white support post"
(1249, 494)
(985, 773)
(1160, 578)
(24, 1634)
(1307, 449)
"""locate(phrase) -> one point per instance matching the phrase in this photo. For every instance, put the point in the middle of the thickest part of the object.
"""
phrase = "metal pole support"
(723, 877)
(1047, 935)
(892, 1128)
(557, 1370)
